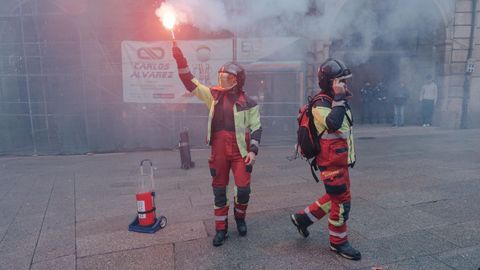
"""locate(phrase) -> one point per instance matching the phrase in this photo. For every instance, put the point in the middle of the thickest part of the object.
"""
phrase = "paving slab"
(457, 209)
(105, 206)
(463, 234)
(398, 199)
(11, 204)
(419, 263)
(153, 257)
(3, 230)
(59, 263)
(21, 236)
(413, 207)
(272, 243)
(54, 243)
(15, 260)
(374, 221)
(465, 258)
(459, 189)
(382, 251)
(123, 240)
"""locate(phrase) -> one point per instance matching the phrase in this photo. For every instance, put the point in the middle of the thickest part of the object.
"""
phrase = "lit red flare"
(167, 16)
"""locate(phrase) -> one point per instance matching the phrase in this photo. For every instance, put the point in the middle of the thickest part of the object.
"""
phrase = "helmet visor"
(335, 70)
(226, 81)
(345, 75)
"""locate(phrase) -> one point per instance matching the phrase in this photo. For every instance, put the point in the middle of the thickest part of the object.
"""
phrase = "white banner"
(150, 73)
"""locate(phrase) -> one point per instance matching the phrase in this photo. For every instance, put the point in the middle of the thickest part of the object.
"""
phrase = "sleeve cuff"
(254, 146)
(339, 97)
(340, 103)
(184, 70)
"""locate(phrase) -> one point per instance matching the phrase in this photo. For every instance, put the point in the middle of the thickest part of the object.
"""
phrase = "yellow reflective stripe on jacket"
(351, 144)
(320, 115)
(240, 129)
(203, 93)
(253, 116)
(247, 119)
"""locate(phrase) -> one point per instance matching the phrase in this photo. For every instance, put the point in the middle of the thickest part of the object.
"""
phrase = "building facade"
(60, 74)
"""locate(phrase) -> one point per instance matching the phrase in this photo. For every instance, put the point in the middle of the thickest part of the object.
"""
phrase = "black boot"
(241, 227)
(347, 251)
(301, 222)
(220, 238)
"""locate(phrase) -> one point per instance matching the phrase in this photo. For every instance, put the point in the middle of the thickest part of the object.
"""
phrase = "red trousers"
(225, 157)
(335, 203)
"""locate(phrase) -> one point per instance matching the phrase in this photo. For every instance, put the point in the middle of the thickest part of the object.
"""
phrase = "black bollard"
(184, 147)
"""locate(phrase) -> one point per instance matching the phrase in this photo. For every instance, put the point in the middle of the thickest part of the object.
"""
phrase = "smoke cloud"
(248, 17)
(359, 24)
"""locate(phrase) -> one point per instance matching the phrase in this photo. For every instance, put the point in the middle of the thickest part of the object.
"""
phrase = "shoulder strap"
(349, 119)
(319, 97)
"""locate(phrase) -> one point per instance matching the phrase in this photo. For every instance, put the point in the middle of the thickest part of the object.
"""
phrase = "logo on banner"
(202, 70)
(154, 53)
(150, 74)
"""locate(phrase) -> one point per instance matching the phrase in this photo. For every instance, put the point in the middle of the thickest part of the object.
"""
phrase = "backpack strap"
(330, 100)
(313, 162)
(350, 121)
(311, 103)
(314, 168)
(321, 97)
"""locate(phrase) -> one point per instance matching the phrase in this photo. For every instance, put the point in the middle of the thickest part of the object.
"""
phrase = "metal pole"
(84, 95)
(466, 84)
(27, 76)
(43, 76)
(236, 11)
(234, 47)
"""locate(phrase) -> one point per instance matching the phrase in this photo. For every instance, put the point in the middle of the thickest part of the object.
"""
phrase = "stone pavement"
(415, 205)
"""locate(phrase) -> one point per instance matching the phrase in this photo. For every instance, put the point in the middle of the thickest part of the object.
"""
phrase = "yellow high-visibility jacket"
(332, 127)
(246, 112)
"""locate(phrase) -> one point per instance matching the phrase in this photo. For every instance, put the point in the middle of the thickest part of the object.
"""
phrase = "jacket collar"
(240, 98)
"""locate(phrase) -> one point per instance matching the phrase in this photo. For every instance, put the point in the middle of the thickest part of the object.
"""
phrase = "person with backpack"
(330, 141)
(234, 133)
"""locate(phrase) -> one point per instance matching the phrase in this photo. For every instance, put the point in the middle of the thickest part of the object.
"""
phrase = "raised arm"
(189, 81)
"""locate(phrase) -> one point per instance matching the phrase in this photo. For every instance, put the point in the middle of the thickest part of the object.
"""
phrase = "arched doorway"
(390, 42)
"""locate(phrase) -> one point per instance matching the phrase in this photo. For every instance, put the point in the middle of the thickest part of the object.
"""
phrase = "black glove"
(179, 58)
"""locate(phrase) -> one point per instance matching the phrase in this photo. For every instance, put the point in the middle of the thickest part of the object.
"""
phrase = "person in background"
(428, 98)
(380, 103)
(367, 100)
(400, 97)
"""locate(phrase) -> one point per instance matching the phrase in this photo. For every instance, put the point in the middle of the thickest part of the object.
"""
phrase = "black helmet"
(332, 69)
(234, 69)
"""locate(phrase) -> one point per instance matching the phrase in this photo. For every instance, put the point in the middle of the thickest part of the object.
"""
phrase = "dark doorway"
(390, 42)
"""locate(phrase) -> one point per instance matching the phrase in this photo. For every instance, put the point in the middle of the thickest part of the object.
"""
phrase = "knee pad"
(243, 195)
(335, 190)
(220, 195)
(346, 210)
